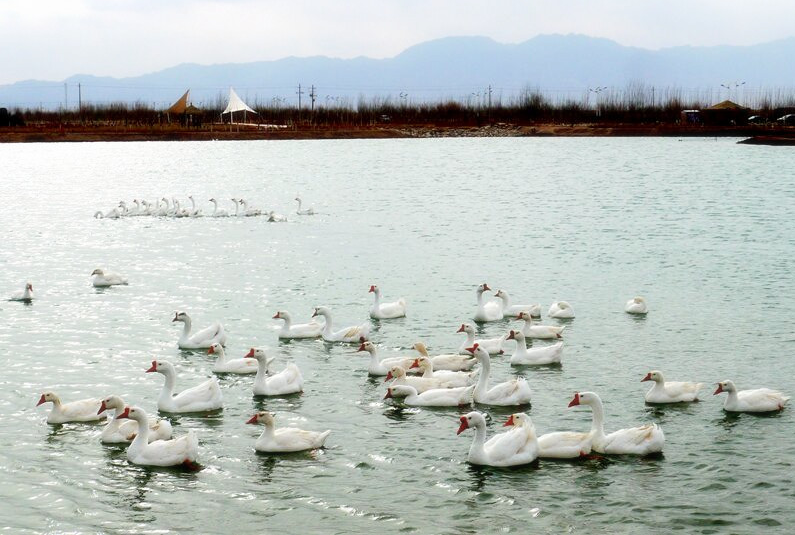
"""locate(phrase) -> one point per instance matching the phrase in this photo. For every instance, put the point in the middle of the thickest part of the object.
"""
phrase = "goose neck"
(598, 420)
(476, 451)
(483, 379)
(168, 386)
(141, 438)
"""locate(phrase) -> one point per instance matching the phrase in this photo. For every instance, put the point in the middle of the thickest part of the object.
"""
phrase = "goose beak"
(576, 400)
(472, 349)
(460, 329)
(252, 420)
(372, 289)
(464, 425)
(361, 347)
(41, 400)
(125, 414)
(388, 394)
(314, 313)
(389, 377)
(102, 408)
(176, 318)
(211, 350)
(647, 378)
(511, 336)
(509, 422)
(276, 316)
(718, 391)
(250, 353)
(486, 287)
(153, 368)
(415, 364)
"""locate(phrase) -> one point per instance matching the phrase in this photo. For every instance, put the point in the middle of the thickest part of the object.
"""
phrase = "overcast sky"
(54, 39)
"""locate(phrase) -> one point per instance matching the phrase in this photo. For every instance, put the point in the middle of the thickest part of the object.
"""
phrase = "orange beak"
(647, 378)
(509, 422)
(576, 400)
(718, 391)
(211, 350)
(102, 408)
(250, 353)
(464, 425)
(153, 368)
(252, 420)
(41, 400)
(415, 364)
(276, 316)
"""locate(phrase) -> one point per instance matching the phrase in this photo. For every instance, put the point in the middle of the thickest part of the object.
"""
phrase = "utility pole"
(313, 95)
(489, 115)
(65, 98)
(299, 96)
(80, 100)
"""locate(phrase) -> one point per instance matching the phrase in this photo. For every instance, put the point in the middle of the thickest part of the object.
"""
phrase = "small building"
(726, 113)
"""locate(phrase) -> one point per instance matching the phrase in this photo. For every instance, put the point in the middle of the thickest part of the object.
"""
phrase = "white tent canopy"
(236, 104)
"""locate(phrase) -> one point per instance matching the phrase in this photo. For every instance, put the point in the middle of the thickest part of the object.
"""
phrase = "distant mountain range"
(460, 68)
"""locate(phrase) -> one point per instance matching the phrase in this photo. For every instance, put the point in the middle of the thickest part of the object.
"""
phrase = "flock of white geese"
(174, 208)
(454, 379)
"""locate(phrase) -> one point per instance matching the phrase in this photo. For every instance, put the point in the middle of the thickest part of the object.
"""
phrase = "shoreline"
(120, 133)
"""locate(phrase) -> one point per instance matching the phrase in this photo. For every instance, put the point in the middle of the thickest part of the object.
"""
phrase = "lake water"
(703, 228)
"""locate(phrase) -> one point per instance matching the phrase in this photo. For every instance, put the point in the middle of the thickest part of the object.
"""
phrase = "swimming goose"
(536, 356)
(182, 450)
(285, 439)
(514, 447)
(452, 362)
(382, 311)
(539, 331)
(757, 400)
(487, 311)
(84, 410)
(670, 391)
(381, 366)
(205, 396)
(450, 378)
(560, 310)
(513, 392)
(202, 339)
(434, 397)
(636, 305)
(398, 376)
(227, 365)
(287, 381)
(216, 211)
(510, 311)
(641, 440)
(102, 279)
(558, 445)
(306, 211)
(492, 345)
(120, 430)
(312, 329)
(26, 295)
(347, 335)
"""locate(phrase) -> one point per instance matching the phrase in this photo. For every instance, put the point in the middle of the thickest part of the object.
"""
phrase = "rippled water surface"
(703, 229)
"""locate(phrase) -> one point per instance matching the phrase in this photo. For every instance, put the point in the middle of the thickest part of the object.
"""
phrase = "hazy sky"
(53, 39)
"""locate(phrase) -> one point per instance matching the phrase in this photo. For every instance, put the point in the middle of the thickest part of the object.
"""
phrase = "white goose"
(383, 311)
(249, 212)
(102, 279)
(398, 376)
(203, 397)
(273, 217)
(558, 445)
(492, 345)
(560, 310)
(312, 329)
(285, 439)
(381, 366)
(543, 332)
(287, 381)
(487, 311)
(237, 213)
(178, 451)
(642, 440)
(84, 410)
(193, 212)
(536, 356)
(450, 378)
(515, 447)
(452, 362)
(124, 430)
(757, 400)
(227, 365)
(347, 335)
(26, 295)
(636, 305)
(513, 392)
(216, 211)
(305, 211)
(435, 397)
(510, 311)
(670, 391)
(203, 339)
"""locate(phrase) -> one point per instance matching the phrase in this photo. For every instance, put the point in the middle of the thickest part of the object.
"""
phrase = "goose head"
(515, 335)
(466, 328)
(399, 391)
(477, 351)
(524, 315)
(655, 376)
(470, 419)
(281, 315)
(373, 289)
(500, 293)
(725, 386)
(518, 419)
(180, 316)
(161, 366)
(133, 413)
(215, 348)
(584, 398)
(264, 417)
(422, 363)
(421, 349)
(111, 402)
(483, 288)
(48, 397)
(28, 286)
(395, 372)
(320, 311)
(98, 272)
(259, 354)
(638, 300)
(366, 346)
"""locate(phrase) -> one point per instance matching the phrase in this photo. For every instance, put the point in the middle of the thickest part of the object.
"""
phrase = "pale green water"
(702, 228)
